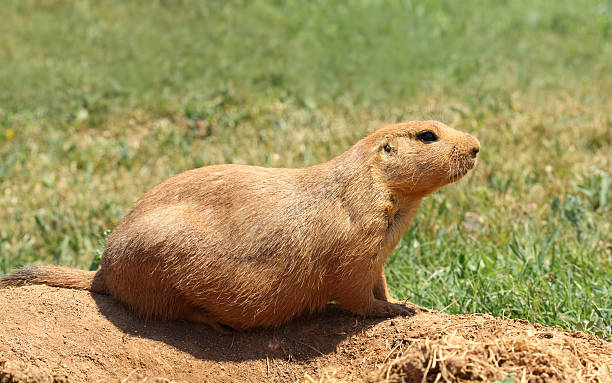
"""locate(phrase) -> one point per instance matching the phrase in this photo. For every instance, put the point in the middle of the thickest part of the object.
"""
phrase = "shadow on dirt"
(299, 340)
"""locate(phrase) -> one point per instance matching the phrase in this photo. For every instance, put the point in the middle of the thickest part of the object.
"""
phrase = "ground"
(59, 335)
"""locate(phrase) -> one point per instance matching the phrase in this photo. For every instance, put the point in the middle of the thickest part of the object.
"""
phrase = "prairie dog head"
(419, 157)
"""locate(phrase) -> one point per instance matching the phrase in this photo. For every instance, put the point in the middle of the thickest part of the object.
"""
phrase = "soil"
(58, 335)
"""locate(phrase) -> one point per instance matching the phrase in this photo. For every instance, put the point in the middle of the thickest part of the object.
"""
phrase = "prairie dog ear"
(388, 145)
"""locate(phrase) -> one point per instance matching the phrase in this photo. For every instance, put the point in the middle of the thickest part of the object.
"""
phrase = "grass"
(100, 101)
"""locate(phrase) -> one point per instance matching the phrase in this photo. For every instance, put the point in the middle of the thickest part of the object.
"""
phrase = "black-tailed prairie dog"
(247, 246)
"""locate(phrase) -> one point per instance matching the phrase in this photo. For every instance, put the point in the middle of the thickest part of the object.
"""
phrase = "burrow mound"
(58, 335)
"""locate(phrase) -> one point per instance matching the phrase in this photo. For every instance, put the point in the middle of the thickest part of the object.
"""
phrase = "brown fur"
(248, 246)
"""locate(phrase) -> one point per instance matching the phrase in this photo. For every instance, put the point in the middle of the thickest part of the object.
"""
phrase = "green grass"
(100, 101)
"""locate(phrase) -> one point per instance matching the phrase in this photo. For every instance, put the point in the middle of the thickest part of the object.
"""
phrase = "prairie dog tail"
(58, 277)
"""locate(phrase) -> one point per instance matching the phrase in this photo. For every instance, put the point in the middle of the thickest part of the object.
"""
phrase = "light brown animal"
(248, 246)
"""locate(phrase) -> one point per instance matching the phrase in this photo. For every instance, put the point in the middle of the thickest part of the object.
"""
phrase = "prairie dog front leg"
(381, 291)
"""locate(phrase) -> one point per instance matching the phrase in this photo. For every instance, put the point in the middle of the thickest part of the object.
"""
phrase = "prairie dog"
(246, 246)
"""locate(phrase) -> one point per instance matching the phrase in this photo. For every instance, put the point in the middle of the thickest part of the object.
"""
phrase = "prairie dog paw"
(383, 309)
(410, 305)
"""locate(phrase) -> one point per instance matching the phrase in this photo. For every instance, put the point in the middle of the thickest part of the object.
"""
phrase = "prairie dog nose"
(475, 151)
(475, 146)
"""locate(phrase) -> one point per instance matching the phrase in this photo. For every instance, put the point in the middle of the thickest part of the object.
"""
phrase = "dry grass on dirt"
(58, 335)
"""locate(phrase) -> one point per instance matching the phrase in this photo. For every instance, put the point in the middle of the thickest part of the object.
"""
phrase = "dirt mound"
(58, 335)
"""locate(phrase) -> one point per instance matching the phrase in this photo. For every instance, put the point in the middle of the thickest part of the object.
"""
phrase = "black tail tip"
(20, 277)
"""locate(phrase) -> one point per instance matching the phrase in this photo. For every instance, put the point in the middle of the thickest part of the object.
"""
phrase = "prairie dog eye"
(427, 136)
(387, 148)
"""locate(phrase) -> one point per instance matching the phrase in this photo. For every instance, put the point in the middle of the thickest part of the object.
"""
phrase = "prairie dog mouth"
(460, 168)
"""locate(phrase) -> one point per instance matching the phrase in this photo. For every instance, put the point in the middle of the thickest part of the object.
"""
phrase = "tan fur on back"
(248, 246)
